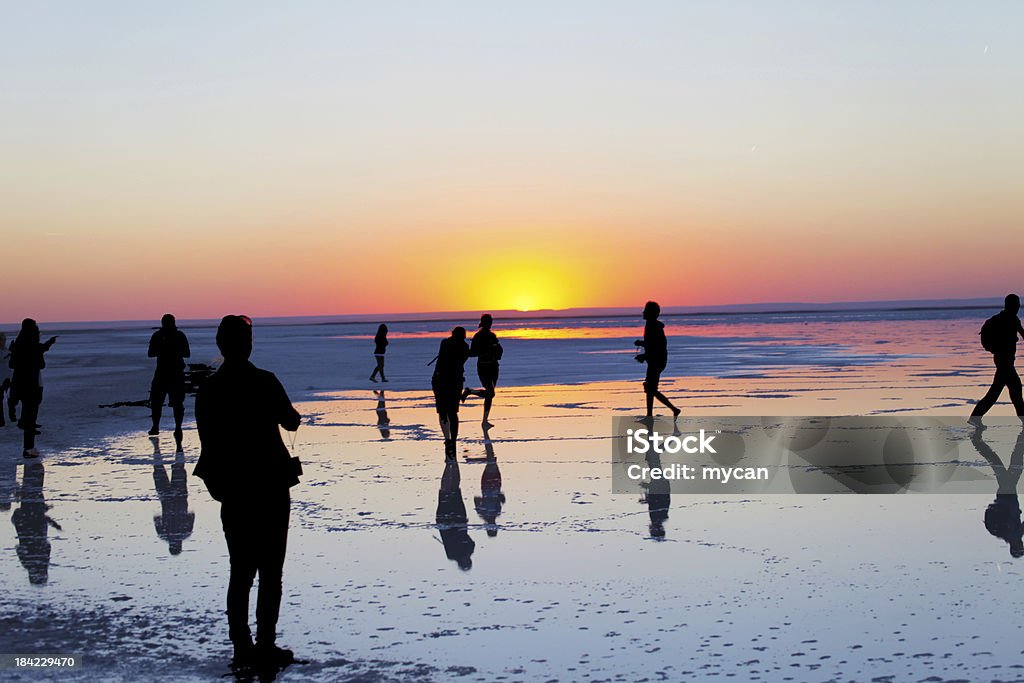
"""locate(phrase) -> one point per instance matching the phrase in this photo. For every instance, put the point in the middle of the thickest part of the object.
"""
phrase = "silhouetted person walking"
(169, 346)
(380, 347)
(1002, 516)
(27, 364)
(655, 354)
(452, 522)
(175, 522)
(487, 351)
(247, 467)
(32, 524)
(999, 337)
(447, 381)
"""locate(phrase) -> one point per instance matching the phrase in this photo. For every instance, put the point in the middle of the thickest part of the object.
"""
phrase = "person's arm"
(186, 352)
(474, 348)
(49, 342)
(154, 347)
(287, 416)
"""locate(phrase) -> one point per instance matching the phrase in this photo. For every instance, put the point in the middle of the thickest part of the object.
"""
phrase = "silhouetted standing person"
(488, 503)
(32, 525)
(27, 363)
(451, 518)
(487, 351)
(169, 346)
(380, 347)
(999, 337)
(655, 346)
(5, 378)
(247, 467)
(175, 522)
(447, 381)
(1002, 516)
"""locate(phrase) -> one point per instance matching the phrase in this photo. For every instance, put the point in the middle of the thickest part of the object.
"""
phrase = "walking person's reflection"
(32, 525)
(452, 521)
(383, 421)
(1002, 516)
(488, 503)
(175, 522)
(658, 496)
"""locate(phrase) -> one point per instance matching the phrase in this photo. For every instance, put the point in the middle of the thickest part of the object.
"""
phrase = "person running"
(999, 337)
(246, 466)
(487, 351)
(447, 381)
(27, 363)
(169, 346)
(380, 347)
(655, 354)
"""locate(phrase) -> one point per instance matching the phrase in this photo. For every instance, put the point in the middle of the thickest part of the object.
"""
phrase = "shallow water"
(572, 585)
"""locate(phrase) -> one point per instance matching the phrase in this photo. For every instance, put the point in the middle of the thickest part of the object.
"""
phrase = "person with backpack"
(999, 337)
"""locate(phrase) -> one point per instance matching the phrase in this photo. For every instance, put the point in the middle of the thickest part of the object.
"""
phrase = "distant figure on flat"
(447, 381)
(655, 354)
(246, 466)
(27, 364)
(999, 337)
(487, 351)
(380, 347)
(169, 346)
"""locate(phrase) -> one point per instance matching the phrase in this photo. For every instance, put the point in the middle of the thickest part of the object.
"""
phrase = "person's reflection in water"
(488, 503)
(8, 482)
(383, 421)
(1002, 517)
(175, 522)
(32, 525)
(452, 521)
(658, 495)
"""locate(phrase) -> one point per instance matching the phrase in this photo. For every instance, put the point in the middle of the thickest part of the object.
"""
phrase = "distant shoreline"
(793, 308)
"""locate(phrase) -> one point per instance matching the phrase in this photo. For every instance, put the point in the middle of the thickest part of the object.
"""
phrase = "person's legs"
(380, 368)
(274, 532)
(990, 398)
(157, 394)
(1012, 380)
(4, 386)
(489, 380)
(241, 540)
(652, 391)
(29, 416)
(12, 402)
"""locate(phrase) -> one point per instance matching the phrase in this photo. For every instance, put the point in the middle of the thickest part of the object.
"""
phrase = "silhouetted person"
(1002, 517)
(32, 525)
(655, 354)
(383, 421)
(488, 503)
(5, 379)
(169, 346)
(27, 364)
(380, 347)
(247, 467)
(452, 522)
(999, 337)
(447, 381)
(175, 522)
(487, 351)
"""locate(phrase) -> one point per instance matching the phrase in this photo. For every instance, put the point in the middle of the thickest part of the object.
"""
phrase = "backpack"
(990, 333)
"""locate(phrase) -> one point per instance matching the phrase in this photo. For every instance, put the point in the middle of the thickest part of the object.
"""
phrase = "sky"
(316, 158)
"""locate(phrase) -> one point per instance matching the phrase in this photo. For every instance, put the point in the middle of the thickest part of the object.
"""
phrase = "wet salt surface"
(572, 587)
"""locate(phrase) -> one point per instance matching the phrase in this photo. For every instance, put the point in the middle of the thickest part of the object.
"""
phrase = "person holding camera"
(655, 354)
(246, 466)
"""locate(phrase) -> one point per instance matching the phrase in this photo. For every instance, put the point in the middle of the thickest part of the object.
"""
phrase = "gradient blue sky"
(333, 157)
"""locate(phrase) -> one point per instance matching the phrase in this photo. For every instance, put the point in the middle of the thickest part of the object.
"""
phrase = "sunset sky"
(331, 157)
